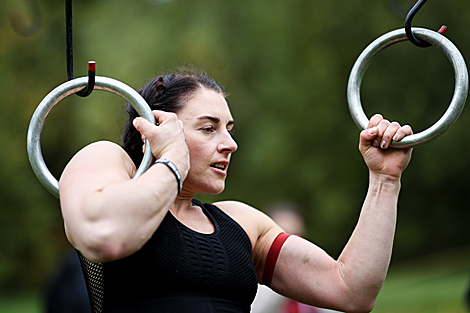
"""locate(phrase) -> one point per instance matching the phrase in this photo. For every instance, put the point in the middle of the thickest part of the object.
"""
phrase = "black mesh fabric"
(177, 269)
(94, 279)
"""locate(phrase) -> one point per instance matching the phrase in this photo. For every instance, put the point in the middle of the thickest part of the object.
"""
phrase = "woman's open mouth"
(219, 166)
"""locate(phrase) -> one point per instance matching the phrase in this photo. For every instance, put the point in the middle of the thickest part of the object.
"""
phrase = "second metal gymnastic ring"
(460, 90)
(58, 94)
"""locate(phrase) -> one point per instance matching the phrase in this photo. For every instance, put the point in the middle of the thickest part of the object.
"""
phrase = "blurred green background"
(286, 66)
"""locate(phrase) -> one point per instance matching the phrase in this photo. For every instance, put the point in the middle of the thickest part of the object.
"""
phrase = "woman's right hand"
(166, 139)
(374, 144)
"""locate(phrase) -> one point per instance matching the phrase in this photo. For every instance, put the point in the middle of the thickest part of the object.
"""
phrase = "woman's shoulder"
(103, 145)
(102, 149)
(260, 228)
(99, 156)
(240, 209)
(255, 222)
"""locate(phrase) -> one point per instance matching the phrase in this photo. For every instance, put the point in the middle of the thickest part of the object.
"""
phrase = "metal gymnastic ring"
(55, 96)
(460, 90)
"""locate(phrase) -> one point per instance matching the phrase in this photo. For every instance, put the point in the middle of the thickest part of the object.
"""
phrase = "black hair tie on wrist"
(174, 169)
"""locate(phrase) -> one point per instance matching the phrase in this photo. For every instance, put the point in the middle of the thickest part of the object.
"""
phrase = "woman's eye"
(208, 129)
(231, 131)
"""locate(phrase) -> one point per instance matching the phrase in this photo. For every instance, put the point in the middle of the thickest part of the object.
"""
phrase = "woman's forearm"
(123, 216)
(366, 257)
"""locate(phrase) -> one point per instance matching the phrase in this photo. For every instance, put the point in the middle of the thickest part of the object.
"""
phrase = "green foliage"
(286, 66)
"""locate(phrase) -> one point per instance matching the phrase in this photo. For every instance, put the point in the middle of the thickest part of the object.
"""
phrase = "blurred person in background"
(290, 218)
(66, 291)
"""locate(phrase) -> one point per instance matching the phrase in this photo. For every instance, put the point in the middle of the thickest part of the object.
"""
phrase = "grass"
(435, 283)
(27, 303)
(429, 284)
(438, 295)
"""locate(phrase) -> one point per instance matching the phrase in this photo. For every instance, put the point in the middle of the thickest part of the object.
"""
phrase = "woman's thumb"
(139, 123)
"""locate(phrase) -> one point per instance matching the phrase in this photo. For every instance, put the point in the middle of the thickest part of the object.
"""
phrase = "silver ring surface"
(460, 90)
(58, 94)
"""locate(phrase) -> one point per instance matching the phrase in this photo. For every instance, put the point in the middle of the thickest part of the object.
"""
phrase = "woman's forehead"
(207, 103)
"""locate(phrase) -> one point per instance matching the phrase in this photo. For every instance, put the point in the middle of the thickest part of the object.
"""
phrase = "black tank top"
(179, 270)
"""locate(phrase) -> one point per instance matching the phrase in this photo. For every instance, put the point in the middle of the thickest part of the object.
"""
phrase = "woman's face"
(208, 124)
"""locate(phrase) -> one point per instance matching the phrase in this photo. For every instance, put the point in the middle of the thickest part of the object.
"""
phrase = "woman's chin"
(215, 190)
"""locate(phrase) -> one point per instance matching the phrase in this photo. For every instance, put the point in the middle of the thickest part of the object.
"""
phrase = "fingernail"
(373, 131)
(135, 122)
(375, 143)
(383, 145)
(396, 137)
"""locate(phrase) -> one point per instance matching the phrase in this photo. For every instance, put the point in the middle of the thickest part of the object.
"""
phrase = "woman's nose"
(228, 144)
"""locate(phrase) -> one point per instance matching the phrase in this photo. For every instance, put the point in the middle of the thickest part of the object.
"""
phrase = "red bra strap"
(271, 260)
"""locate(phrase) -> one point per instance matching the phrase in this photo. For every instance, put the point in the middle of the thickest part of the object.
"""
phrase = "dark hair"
(166, 93)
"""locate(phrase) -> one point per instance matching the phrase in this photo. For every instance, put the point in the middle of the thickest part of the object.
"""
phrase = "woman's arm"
(107, 214)
(306, 273)
(350, 284)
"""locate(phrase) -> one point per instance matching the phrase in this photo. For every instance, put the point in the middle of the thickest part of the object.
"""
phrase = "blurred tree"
(286, 66)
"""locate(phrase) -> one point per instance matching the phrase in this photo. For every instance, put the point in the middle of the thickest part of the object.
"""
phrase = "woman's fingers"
(388, 135)
(381, 133)
(381, 129)
(167, 124)
(375, 120)
(402, 132)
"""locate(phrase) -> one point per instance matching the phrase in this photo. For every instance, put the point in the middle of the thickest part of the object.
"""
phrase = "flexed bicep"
(306, 273)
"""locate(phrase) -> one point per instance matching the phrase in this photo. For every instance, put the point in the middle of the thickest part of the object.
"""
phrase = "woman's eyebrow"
(214, 119)
(211, 118)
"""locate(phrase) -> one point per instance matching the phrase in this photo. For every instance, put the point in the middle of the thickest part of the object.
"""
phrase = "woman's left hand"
(375, 147)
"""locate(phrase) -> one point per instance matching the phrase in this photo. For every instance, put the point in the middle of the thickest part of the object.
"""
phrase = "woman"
(148, 246)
